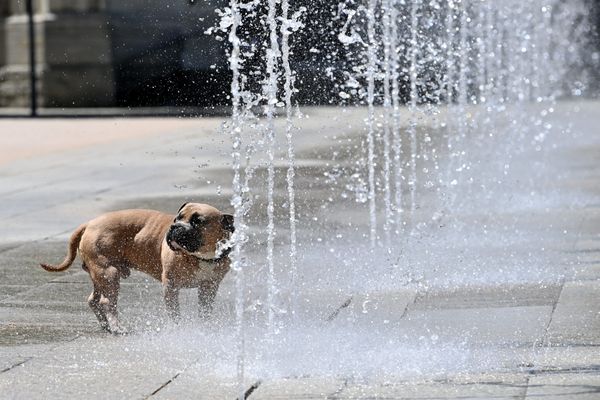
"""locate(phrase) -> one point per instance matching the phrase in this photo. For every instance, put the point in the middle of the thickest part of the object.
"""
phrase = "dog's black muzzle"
(183, 236)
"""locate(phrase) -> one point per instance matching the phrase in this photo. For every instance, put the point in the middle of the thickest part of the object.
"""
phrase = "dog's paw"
(119, 331)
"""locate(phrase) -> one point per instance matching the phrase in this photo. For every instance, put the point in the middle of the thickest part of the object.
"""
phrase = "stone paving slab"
(494, 325)
(584, 386)
(485, 297)
(88, 368)
(567, 357)
(304, 388)
(52, 295)
(588, 271)
(587, 257)
(366, 308)
(32, 333)
(40, 315)
(15, 356)
(591, 244)
(60, 134)
(11, 290)
(190, 384)
(20, 263)
(383, 307)
(474, 387)
(574, 321)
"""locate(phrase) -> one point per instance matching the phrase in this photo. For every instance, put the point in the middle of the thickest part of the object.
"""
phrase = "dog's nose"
(170, 233)
(182, 235)
(172, 230)
(176, 228)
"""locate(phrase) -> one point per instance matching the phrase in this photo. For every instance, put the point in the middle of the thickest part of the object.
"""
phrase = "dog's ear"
(183, 205)
(227, 222)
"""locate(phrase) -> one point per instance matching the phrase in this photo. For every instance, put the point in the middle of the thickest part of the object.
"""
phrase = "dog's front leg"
(171, 296)
(207, 291)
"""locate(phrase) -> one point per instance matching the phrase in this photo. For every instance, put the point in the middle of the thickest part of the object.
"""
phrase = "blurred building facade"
(126, 53)
(102, 53)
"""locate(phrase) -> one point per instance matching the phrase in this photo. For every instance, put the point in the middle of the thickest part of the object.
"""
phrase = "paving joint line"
(527, 379)
(583, 389)
(339, 390)
(544, 340)
(16, 365)
(164, 385)
(589, 369)
(335, 313)
(27, 359)
(412, 303)
(167, 383)
(251, 389)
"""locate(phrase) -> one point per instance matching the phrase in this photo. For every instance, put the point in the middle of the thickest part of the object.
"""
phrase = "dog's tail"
(71, 251)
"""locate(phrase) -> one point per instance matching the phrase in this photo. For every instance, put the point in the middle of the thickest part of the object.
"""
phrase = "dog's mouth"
(173, 245)
(181, 237)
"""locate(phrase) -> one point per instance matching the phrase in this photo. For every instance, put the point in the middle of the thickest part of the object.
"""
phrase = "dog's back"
(128, 238)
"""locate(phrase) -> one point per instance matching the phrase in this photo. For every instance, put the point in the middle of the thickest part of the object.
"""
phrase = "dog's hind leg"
(94, 303)
(106, 282)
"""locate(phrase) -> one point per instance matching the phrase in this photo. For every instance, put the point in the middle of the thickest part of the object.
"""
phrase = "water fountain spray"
(371, 71)
(397, 48)
(236, 201)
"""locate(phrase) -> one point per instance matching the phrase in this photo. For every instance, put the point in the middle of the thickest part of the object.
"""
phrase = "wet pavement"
(512, 315)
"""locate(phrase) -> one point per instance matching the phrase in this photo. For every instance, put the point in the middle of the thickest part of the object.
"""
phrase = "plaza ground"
(530, 335)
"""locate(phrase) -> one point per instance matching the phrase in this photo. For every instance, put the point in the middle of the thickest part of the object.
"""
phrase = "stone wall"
(73, 54)
(4, 8)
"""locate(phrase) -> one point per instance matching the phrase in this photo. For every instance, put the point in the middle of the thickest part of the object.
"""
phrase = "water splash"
(387, 116)
(270, 94)
(288, 26)
(396, 134)
(236, 201)
(474, 65)
(370, 74)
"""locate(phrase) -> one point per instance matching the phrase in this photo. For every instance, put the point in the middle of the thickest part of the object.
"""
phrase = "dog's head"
(198, 229)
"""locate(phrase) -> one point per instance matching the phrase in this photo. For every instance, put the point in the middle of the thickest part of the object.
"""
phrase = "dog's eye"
(196, 220)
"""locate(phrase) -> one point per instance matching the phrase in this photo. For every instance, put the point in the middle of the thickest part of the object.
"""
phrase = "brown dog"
(184, 251)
